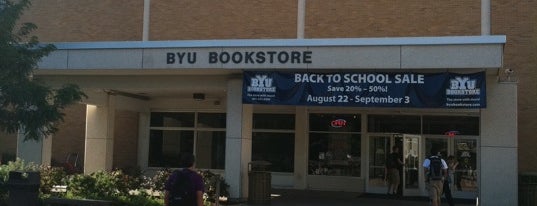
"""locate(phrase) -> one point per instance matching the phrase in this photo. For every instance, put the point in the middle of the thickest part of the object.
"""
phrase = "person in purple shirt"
(196, 181)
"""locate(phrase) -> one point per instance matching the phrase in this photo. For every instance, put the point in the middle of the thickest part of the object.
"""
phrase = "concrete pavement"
(317, 198)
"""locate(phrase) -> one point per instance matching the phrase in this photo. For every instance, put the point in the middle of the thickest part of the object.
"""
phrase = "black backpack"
(182, 190)
(435, 168)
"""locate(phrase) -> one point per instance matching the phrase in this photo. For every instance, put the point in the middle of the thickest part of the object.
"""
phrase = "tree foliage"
(26, 104)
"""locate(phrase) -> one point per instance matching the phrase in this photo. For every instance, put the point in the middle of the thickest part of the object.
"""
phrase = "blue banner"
(415, 90)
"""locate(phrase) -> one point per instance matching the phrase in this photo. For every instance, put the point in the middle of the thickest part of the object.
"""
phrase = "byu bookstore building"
(293, 83)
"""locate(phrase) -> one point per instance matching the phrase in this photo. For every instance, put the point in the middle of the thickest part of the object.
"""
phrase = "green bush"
(211, 181)
(50, 177)
(131, 189)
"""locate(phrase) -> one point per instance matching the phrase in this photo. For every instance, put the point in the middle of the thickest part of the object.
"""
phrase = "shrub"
(17, 165)
(50, 177)
(211, 181)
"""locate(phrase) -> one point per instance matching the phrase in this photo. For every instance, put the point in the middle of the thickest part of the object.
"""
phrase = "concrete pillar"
(498, 184)
(143, 139)
(99, 136)
(301, 148)
(38, 152)
(238, 141)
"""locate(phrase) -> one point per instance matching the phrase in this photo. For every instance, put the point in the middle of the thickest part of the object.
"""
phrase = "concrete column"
(99, 136)
(238, 141)
(143, 139)
(145, 23)
(300, 19)
(485, 17)
(301, 148)
(498, 184)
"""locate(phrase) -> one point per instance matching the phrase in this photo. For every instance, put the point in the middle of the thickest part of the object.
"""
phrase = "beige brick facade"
(122, 20)
(518, 21)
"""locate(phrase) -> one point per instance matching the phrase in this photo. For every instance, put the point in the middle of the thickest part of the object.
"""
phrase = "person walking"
(185, 186)
(436, 172)
(391, 171)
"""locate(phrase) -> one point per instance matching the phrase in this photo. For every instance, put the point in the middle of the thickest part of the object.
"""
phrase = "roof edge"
(381, 41)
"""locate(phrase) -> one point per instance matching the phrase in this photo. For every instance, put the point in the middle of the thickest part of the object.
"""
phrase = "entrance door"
(412, 172)
(380, 146)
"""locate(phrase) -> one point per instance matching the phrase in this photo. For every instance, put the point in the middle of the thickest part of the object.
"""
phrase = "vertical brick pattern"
(387, 18)
(126, 140)
(8, 146)
(518, 21)
(229, 19)
(81, 20)
(71, 136)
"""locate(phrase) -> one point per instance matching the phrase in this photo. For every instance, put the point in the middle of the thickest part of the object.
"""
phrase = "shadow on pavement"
(288, 197)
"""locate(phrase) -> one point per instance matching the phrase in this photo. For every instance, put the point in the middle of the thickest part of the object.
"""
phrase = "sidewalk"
(318, 198)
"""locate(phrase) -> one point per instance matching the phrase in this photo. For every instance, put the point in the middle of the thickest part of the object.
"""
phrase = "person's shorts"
(393, 176)
(435, 189)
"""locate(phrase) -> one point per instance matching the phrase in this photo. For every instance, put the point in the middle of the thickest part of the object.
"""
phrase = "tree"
(27, 104)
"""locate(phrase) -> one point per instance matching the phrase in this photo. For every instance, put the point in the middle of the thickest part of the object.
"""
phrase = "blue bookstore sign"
(355, 89)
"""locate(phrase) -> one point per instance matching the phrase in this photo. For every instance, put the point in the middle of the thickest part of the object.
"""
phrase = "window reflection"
(465, 172)
(174, 133)
(273, 140)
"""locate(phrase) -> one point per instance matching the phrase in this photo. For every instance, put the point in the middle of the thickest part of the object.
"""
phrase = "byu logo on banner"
(463, 86)
(261, 83)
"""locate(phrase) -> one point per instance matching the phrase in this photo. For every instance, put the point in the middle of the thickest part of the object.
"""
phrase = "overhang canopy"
(455, 52)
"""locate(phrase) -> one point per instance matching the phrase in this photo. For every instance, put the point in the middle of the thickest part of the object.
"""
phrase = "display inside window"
(334, 145)
(465, 172)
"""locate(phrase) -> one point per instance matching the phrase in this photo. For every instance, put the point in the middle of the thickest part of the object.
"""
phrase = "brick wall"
(126, 140)
(80, 20)
(230, 19)
(8, 146)
(71, 136)
(518, 21)
(385, 18)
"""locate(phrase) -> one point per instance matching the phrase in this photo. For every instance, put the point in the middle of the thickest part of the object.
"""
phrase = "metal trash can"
(527, 189)
(259, 182)
(23, 188)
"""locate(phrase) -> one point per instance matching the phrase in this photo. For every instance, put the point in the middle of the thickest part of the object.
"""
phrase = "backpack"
(435, 168)
(182, 190)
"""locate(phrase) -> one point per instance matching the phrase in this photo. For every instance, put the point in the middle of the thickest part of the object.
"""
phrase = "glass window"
(274, 121)
(334, 145)
(465, 172)
(463, 125)
(211, 149)
(394, 124)
(174, 133)
(212, 120)
(166, 146)
(335, 122)
(276, 148)
(273, 140)
(172, 119)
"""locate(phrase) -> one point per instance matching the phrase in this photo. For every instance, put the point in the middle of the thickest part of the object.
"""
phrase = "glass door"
(412, 158)
(380, 146)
